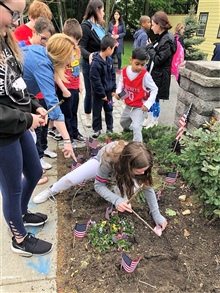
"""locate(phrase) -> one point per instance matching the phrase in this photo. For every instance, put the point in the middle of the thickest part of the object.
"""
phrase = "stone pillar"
(200, 85)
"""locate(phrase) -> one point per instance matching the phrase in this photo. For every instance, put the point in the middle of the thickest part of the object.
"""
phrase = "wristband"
(66, 141)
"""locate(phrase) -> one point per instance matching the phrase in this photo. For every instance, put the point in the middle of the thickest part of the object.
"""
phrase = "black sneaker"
(50, 132)
(31, 245)
(79, 138)
(36, 219)
(109, 131)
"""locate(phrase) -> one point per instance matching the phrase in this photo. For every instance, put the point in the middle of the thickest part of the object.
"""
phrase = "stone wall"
(200, 85)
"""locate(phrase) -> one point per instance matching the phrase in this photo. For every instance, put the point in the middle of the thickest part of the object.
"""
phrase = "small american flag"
(75, 165)
(182, 123)
(171, 177)
(80, 229)
(92, 143)
(128, 264)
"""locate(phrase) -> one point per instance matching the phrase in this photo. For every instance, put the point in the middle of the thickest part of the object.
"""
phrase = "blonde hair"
(60, 49)
(39, 9)
(178, 27)
(12, 44)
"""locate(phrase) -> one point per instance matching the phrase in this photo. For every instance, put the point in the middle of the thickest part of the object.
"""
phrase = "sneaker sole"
(52, 157)
(36, 224)
(26, 253)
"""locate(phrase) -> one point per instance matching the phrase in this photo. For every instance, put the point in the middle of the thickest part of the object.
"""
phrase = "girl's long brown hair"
(124, 157)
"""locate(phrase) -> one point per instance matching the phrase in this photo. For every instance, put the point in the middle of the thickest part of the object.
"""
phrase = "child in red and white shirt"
(138, 90)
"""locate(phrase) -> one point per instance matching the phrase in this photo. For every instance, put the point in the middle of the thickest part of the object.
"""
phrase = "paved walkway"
(38, 274)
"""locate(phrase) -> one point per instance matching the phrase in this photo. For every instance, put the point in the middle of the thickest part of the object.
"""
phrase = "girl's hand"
(66, 93)
(164, 225)
(123, 206)
(68, 151)
(43, 114)
(37, 121)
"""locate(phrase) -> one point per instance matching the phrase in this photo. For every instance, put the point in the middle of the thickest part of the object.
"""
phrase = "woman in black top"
(160, 52)
(93, 32)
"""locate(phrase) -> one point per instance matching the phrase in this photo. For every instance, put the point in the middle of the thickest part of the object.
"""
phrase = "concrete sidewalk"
(38, 274)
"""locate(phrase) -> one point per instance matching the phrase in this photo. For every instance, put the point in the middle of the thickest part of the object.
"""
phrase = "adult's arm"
(83, 43)
(159, 57)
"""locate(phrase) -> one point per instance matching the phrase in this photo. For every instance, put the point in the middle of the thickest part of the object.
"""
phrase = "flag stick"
(136, 192)
(144, 222)
(175, 145)
(55, 106)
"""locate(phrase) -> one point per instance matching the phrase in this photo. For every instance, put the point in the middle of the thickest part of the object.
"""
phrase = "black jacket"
(16, 103)
(102, 76)
(161, 52)
(90, 41)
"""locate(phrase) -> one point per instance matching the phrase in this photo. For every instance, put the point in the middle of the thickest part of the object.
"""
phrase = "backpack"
(178, 58)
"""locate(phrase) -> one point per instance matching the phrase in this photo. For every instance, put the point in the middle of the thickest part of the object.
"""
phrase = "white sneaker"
(50, 154)
(88, 122)
(153, 122)
(44, 195)
(45, 165)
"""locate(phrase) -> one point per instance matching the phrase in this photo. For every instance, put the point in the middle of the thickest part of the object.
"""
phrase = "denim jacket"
(39, 77)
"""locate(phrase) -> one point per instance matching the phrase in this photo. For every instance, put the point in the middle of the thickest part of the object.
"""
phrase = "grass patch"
(128, 47)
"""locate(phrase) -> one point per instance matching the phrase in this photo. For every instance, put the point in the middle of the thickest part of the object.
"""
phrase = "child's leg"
(137, 116)
(83, 173)
(108, 108)
(74, 110)
(66, 110)
(96, 113)
(125, 120)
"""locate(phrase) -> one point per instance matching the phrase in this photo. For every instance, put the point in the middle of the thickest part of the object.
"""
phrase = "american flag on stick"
(171, 177)
(182, 123)
(80, 229)
(92, 143)
(128, 264)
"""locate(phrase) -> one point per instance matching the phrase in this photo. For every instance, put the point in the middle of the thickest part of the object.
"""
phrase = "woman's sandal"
(43, 180)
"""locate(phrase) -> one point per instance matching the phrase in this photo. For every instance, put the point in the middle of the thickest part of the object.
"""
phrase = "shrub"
(200, 164)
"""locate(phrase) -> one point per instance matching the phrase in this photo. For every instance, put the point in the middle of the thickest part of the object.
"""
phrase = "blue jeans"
(87, 84)
(69, 109)
(17, 158)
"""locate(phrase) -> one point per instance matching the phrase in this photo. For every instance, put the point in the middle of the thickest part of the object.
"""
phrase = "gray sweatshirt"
(105, 170)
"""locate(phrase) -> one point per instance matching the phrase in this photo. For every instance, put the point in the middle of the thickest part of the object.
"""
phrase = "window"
(203, 18)
(218, 33)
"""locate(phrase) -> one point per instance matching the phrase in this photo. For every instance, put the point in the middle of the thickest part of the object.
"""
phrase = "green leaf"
(170, 212)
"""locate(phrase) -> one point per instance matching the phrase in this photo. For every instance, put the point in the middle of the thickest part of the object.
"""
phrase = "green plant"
(200, 165)
(116, 233)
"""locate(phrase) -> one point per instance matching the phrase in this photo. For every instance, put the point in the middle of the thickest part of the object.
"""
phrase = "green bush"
(200, 164)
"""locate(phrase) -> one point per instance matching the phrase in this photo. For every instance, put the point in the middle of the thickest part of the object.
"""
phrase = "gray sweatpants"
(132, 118)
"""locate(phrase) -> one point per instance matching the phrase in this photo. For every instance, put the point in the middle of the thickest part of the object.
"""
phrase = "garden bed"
(186, 258)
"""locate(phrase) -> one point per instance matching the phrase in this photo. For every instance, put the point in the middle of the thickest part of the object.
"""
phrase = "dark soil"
(171, 263)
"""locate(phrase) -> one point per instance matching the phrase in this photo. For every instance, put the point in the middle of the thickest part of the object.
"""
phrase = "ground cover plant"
(185, 258)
